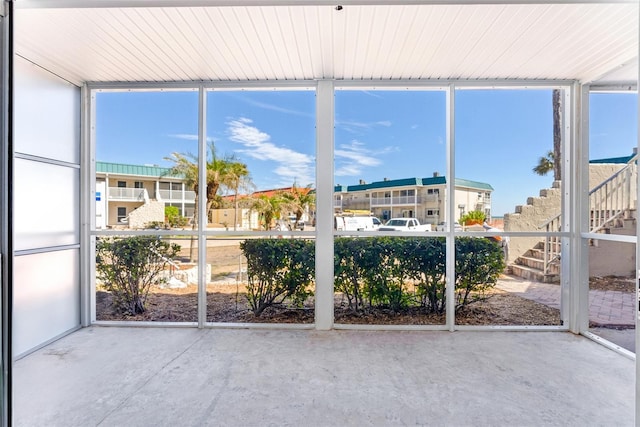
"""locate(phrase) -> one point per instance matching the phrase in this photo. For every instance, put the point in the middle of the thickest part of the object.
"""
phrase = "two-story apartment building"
(421, 198)
(134, 195)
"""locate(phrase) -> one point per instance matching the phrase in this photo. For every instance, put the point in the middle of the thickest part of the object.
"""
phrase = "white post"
(202, 207)
(575, 260)
(449, 212)
(324, 204)
(637, 396)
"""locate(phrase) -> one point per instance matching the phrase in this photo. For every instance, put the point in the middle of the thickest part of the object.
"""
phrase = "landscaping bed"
(223, 305)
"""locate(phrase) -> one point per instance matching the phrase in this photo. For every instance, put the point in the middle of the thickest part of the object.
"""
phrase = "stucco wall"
(531, 216)
(149, 212)
(608, 258)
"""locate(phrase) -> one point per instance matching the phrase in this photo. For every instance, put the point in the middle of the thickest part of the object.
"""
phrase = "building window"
(176, 186)
(138, 184)
(433, 191)
(122, 184)
(433, 212)
(122, 213)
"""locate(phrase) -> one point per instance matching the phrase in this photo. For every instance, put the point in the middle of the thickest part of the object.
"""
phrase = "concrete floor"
(188, 377)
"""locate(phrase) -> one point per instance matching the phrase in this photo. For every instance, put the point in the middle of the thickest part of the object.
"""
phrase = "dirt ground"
(228, 303)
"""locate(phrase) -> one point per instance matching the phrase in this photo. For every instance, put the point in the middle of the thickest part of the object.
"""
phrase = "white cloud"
(277, 108)
(357, 127)
(188, 137)
(291, 165)
(353, 158)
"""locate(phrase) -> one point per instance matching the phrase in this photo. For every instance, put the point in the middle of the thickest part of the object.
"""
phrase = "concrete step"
(530, 262)
(535, 253)
(534, 274)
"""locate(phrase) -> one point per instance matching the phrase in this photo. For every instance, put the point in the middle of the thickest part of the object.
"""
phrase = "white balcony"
(128, 194)
(177, 196)
(396, 201)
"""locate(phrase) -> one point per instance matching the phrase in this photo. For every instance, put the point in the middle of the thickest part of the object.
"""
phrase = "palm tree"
(238, 176)
(299, 200)
(552, 161)
(545, 164)
(186, 166)
(269, 207)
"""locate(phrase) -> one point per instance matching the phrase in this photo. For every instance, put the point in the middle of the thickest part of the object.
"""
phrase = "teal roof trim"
(139, 170)
(435, 180)
(385, 184)
(473, 184)
(614, 160)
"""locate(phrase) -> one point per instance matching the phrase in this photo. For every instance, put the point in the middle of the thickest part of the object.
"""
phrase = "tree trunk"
(557, 134)
(235, 213)
(194, 226)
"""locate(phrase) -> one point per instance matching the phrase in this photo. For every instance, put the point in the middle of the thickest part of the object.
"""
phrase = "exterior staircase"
(612, 204)
(531, 265)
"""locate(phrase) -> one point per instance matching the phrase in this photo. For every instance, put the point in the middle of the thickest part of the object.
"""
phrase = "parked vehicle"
(404, 224)
(376, 223)
(293, 225)
(355, 223)
(442, 226)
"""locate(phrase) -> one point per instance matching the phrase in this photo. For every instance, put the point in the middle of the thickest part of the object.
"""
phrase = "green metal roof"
(139, 170)
(435, 180)
(473, 184)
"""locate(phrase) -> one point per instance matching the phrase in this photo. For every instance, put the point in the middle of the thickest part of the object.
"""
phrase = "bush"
(129, 266)
(473, 217)
(173, 218)
(479, 263)
(278, 269)
(373, 272)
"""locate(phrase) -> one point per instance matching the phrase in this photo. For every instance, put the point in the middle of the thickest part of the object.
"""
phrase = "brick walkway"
(606, 308)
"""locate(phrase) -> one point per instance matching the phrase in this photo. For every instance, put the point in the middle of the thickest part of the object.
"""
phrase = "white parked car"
(404, 224)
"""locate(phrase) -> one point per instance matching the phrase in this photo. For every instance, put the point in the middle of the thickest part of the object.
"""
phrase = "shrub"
(373, 272)
(479, 263)
(425, 262)
(129, 266)
(473, 217)
(173, 218)
(278, 269)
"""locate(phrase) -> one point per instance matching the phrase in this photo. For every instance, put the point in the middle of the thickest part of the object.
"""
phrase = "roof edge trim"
(90, 4)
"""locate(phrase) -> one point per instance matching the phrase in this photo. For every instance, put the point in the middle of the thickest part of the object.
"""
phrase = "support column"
(6, 208)
(202, 207)
(325, 104)
(450, 197)
(576, 262)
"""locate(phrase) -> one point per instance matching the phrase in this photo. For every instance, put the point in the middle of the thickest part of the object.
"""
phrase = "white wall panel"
(46, 293)
(46, 215)
(47, 118)
(46, 205)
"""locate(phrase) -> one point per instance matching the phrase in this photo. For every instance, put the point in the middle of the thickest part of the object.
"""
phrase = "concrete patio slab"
(113, 376)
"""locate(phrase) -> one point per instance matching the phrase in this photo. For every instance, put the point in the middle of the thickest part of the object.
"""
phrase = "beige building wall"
(153, 211)
(247, 219)
(113, 211)
(608, 258)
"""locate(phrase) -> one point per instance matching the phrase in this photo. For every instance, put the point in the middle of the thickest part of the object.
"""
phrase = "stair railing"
(612, 198)
(608, 201)
(551, 243)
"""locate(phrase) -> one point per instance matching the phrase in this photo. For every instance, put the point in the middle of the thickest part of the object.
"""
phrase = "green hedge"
(373, 272)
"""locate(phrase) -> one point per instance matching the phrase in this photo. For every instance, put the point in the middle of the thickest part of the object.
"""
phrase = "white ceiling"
(360, 42)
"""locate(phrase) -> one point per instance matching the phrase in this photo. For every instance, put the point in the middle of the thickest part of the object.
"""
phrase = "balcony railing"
(129, 194)
(397, 200)
(177, 196)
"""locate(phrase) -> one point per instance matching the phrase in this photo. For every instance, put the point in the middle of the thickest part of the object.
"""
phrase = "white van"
(355, 223)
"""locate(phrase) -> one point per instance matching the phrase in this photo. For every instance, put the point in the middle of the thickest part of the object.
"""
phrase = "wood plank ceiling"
(582, 42)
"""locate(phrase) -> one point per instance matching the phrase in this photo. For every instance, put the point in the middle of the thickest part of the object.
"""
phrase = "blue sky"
(378, 134)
